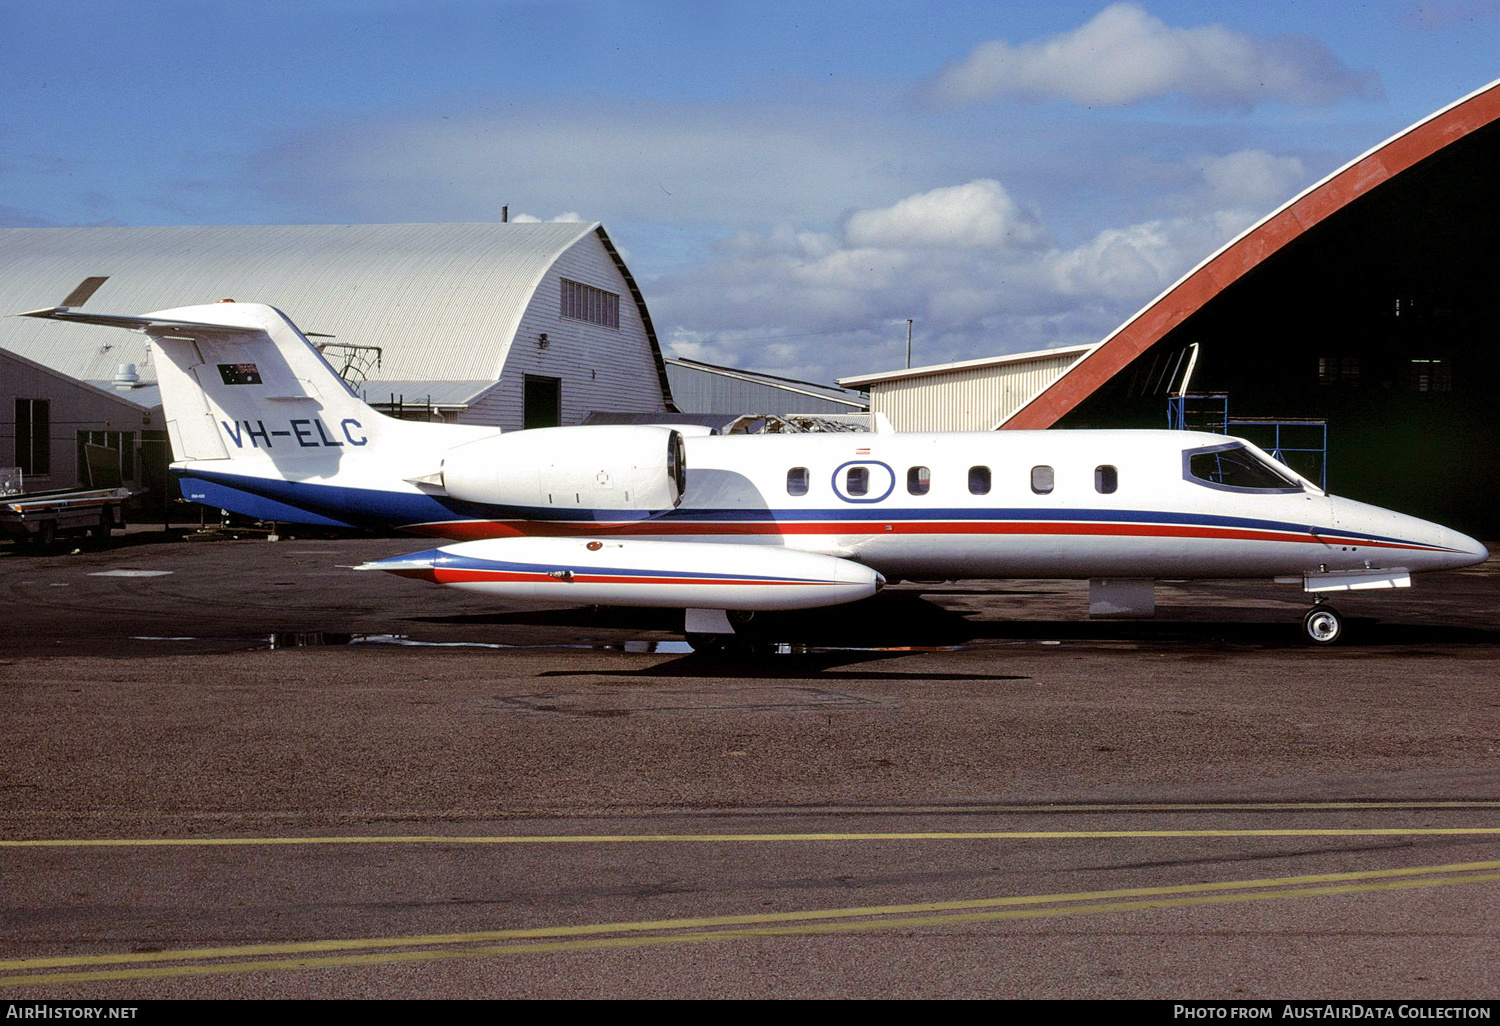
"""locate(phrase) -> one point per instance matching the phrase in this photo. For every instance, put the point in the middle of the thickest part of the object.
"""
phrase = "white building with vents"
(515, 325)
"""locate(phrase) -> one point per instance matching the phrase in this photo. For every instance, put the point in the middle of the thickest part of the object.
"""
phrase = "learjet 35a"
(641, 515)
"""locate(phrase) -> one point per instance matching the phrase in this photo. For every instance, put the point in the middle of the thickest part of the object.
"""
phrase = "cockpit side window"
(1234, 468)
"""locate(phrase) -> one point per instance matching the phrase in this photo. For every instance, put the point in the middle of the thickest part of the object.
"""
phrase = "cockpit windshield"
(1236, 468)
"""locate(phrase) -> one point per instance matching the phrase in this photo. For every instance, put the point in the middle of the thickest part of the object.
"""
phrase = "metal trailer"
(41, 517)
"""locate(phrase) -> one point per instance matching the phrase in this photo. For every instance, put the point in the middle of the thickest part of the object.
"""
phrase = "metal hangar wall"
(971, 395)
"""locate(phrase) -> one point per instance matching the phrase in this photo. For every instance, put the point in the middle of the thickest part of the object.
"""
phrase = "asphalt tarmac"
(237, 769)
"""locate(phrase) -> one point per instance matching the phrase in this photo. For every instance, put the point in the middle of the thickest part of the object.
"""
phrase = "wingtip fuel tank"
(579, 571)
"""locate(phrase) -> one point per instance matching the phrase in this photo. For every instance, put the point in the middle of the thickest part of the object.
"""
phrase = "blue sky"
(789, 181)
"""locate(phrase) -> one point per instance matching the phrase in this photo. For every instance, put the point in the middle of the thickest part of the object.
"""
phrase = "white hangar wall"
(598, 366)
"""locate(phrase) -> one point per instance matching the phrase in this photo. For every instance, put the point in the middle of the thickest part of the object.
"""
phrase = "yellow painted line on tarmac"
(303, 947)
(956, 835)
(836, 921)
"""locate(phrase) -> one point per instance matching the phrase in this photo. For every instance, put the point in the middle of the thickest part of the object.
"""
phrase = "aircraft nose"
(1428, 546)
(1466, 551)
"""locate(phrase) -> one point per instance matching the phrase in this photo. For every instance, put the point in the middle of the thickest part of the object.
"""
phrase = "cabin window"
(979, 480)
(796, 481)
(857, 481)
(1041, 480)
(918, 480)
(1235, 468)
(1106, 480)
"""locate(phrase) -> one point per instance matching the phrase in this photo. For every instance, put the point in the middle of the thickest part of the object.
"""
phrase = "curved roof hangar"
(1255, 246)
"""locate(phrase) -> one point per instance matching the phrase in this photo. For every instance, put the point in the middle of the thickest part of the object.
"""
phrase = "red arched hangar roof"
(1255, 245)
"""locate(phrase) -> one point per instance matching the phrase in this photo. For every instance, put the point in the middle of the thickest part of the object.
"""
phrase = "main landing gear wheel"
(704, 644)
(721, 632)
(1323, 625)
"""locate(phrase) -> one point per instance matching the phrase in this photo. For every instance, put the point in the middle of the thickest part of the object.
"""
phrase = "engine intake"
(593, 467)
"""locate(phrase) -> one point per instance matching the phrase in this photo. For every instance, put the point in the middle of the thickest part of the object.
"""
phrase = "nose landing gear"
(1323, 625)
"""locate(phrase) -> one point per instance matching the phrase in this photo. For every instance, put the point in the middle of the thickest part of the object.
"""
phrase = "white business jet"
(261, 425)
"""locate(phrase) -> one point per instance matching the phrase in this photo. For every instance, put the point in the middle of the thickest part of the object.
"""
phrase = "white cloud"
(1254, 178)
(571, 215)
(977, 214)
(1138, 261)
(1125, 55)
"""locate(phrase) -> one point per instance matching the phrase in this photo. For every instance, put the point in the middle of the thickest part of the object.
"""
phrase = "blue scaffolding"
(1209, 411)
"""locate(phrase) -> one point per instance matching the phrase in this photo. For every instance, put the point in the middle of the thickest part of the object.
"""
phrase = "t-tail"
(260, 424)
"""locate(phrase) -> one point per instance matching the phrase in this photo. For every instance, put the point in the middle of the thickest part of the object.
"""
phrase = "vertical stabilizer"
(240, 382)
(262, 393)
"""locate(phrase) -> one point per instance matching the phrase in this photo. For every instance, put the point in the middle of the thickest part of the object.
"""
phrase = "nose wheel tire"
(1323, 625)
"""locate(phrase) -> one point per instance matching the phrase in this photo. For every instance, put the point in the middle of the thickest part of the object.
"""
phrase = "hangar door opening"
(543, 402)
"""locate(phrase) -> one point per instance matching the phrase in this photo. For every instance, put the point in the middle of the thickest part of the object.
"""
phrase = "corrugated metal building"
(710, 389)
(515, 325)
(47, 418)
(972, 395)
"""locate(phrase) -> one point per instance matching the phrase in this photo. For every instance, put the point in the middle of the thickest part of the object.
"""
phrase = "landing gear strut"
(1323, 625)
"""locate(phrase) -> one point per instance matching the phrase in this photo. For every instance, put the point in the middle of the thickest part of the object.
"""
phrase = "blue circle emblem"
(876, 468)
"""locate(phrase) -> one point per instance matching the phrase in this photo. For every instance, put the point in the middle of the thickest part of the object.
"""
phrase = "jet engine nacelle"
(594, 467)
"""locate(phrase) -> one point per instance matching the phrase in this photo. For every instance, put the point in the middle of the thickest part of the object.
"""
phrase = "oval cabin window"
(857, 481)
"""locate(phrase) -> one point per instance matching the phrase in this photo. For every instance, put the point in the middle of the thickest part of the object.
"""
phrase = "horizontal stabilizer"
(150, 325)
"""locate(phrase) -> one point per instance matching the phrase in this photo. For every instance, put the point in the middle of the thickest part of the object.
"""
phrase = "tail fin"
(239, 381)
